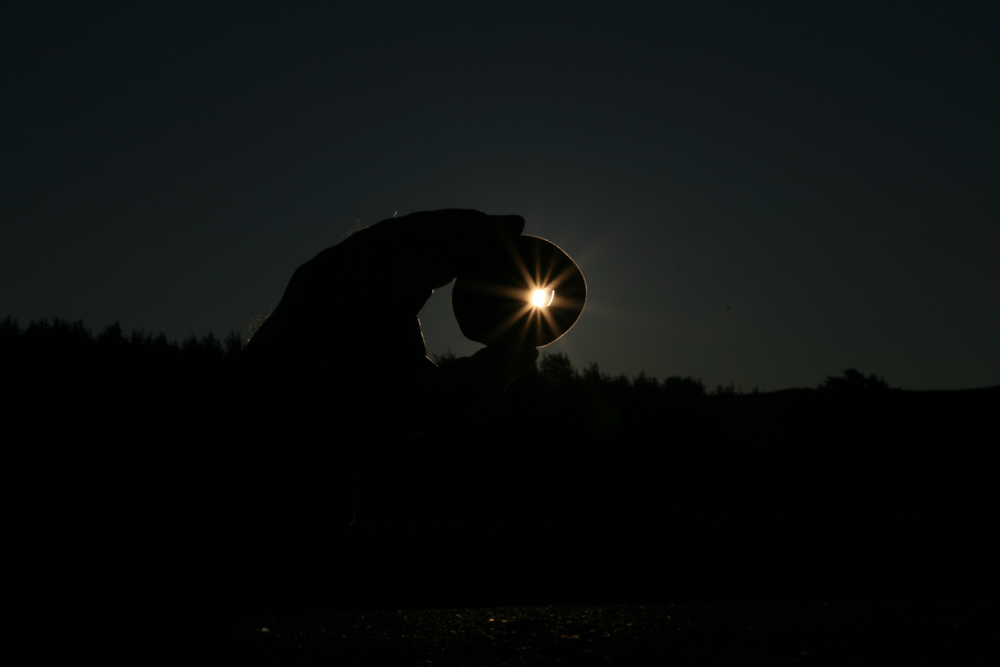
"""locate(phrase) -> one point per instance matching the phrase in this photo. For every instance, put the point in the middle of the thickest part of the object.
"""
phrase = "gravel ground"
(762, 633)
(457, 595)
(700, 590)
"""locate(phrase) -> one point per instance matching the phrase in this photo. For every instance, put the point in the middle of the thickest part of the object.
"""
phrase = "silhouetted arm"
(348, 317)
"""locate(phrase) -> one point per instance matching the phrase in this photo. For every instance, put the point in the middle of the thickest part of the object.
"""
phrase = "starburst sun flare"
(542, 298)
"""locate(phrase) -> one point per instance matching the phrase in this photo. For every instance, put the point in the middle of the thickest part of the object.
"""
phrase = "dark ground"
(764, 590)
(748, 633)
(151, 522)
(744, 587)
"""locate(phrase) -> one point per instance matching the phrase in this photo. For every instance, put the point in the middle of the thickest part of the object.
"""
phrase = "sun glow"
(542, 298)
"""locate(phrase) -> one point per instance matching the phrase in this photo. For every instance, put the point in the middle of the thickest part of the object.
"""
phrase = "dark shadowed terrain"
(163, 508)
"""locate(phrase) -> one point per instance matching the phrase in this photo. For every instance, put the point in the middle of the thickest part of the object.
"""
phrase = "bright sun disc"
(542, 297)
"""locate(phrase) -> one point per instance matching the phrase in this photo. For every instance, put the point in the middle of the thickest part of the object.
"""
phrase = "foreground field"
(160, 516)
(774, 590)
(739, 633)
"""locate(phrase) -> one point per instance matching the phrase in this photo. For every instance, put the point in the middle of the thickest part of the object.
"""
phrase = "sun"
(542, 298)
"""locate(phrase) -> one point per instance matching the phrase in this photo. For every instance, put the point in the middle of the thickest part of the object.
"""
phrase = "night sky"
(758, 193)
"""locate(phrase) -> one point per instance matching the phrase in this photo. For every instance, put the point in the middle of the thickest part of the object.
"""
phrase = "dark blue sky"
(756, 192)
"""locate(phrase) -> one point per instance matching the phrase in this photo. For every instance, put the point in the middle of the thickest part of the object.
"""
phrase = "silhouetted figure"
(347, 323)
(250, 470)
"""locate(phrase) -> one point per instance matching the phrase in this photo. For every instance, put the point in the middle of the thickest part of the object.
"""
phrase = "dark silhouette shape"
(158, 485)
(854, 381)
(348, 319)
(179, 482)
(334, 383)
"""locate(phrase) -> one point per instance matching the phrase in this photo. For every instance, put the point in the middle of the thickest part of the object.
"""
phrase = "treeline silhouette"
(129, 459)
(56, 359)
(58, 341)
(852, 443)
(557, 430)
(50, 348)
(141, 397)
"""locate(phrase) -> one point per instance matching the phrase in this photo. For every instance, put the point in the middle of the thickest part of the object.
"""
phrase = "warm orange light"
(542, 298)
